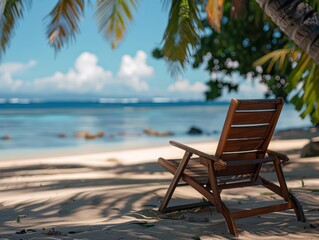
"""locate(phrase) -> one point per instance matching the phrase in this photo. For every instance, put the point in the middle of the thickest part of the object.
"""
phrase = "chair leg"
(287, 195)
(229, 220)
(281, 180)
(283, 191)
(173, 184)
(297, 208)
(219, 204)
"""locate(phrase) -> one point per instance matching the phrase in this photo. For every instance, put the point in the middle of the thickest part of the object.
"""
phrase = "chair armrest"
(218, 163)
(194, 151)
(280, 156)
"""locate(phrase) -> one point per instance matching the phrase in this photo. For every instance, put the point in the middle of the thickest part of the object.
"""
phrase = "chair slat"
(232, 171)
(257, 104)
(242, 155)
(247, 132)
(242, 145)
(241, 118)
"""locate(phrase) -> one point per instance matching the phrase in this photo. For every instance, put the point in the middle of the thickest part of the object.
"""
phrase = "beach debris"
(6, 137)
(144, 224)
(190, 217)
(61, 135)
(88, 135)
(23, 231)
(150, 205)
(52, 232)
(196, 238)
(156, 133)
(311, 149)
(20, 217)
(195, 131)
(302, 183)
(309, 226)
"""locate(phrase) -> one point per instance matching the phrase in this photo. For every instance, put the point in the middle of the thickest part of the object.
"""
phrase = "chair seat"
(198, 171)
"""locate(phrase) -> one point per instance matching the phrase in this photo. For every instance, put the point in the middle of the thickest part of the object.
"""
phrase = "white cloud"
(187, 87)
(11, 68)
(132, 71)
(7, 70)
(86, 76)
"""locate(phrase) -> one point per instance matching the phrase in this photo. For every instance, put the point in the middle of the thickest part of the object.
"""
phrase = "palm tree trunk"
(297, 20)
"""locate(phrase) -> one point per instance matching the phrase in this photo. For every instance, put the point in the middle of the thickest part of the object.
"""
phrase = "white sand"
(115, 195)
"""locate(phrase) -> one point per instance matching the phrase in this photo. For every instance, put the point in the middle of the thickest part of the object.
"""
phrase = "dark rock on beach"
(88, 135)
(297, 133)
(61, 135)
(7, 137)
(93, 136)
(156, 133)
(195, 131)
(311, 149)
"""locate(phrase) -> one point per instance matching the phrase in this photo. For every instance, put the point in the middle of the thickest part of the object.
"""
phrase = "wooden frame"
(241, 151)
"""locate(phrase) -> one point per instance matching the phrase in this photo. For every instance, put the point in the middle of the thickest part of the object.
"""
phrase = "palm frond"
(303, 79)
(181, 34)
(278, 57)
(306, 99)
(11, 11)
(113, 16)
(214, 10)
(63, 25)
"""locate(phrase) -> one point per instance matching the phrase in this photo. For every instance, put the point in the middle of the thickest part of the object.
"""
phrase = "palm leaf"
(63, 25)
(11, 11)
(214, 10)
(278, 57)
(181, 34)
(303, 78)
(113, 16)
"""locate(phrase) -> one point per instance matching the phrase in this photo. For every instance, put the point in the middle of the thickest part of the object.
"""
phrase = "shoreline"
(100, 148)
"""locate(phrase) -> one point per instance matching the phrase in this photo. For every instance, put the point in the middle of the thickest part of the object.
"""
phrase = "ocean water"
(35, 126)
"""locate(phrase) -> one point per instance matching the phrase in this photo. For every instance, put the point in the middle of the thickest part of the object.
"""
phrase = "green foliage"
(254, 47)
(236, 47)
(11, 11)
(241, 42)
(215, 88)
(181, 34)
(302, 81)
(113, 16)
(304, 78)
(63, 25)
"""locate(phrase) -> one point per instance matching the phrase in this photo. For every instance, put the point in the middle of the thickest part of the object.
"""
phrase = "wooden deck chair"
(241, 151)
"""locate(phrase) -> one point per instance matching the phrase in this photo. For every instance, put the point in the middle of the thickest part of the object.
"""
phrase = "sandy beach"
(115, 195)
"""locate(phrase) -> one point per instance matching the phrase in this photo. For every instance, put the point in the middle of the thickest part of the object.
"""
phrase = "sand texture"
(115, 195)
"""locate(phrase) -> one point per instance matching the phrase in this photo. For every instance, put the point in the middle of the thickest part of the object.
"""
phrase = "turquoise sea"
(34, 126)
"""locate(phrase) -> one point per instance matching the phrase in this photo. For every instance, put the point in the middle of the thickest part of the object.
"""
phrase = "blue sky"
(88, 68)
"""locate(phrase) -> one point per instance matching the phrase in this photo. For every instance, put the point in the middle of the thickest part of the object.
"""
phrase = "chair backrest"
(248, 128)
